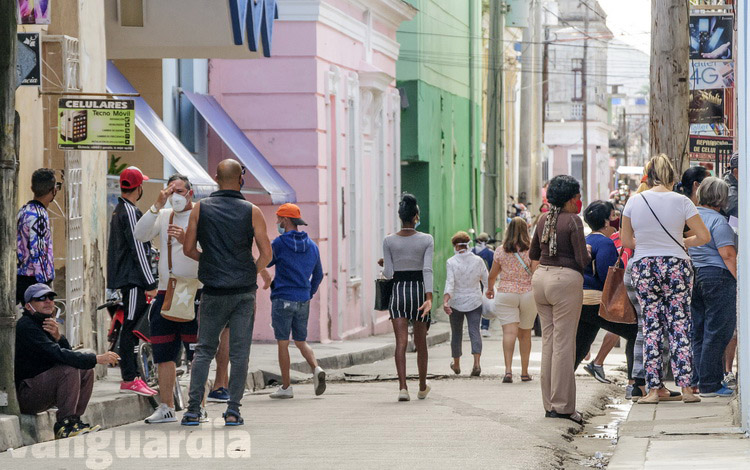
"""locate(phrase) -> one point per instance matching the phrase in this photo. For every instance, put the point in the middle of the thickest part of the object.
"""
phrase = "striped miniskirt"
(407, 296)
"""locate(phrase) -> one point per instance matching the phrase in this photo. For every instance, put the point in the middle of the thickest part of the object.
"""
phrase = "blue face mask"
(281, 229)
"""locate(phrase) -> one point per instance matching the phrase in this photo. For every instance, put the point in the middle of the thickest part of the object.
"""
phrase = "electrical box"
(518, 13)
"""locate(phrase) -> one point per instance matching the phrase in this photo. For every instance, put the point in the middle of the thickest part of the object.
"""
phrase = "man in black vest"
(225, 225)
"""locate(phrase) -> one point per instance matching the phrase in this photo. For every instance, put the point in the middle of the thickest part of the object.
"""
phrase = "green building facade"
(440, 71)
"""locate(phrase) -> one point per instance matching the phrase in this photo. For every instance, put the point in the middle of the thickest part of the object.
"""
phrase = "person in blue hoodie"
(298, 275)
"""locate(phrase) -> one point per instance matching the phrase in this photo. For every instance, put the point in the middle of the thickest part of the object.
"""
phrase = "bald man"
(225, 225)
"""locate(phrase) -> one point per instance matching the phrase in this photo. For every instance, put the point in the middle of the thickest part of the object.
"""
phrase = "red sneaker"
(146, 385)
(138, 387)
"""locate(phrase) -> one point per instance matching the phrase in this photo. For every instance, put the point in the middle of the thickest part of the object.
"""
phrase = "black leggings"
(588, 328)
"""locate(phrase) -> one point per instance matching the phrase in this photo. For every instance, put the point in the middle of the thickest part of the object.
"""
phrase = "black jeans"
(588, 328)
(714, 315)
(135, 306)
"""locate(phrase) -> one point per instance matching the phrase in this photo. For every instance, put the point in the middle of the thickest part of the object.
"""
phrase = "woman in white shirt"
(465, 276)
(662, 273)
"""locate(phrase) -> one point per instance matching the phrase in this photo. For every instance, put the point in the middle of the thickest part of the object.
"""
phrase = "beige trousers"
(558, 293)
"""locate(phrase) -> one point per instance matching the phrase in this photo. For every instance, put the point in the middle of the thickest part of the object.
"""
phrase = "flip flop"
(575, 417)
(239, 421)
(525, 378)
(508, 379)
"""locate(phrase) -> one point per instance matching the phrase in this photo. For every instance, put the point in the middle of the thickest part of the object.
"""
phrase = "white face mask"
(178, 202)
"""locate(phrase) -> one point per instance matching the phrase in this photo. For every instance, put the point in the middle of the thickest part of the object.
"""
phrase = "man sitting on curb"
(298, 275)
(48, 372)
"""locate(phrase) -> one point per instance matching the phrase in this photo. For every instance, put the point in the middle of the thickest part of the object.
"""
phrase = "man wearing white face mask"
(168, 336)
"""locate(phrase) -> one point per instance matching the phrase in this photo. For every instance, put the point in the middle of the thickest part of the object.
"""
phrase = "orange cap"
(292, 212)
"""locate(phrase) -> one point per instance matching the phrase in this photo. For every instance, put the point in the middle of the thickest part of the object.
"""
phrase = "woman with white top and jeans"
(514, 302)
(466, 273)
(662, 274)
(407, 260)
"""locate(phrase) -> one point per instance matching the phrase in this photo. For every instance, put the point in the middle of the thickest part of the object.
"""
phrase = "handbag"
(179, 299)
(383, 292)
(615, 305)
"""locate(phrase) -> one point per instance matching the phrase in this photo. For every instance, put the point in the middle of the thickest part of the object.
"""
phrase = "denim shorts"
(289, 317)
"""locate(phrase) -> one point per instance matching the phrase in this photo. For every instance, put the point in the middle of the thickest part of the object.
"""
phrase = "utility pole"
(526, 137)
(584, 93)
(494, 182)
(669, 126)
(8, 195)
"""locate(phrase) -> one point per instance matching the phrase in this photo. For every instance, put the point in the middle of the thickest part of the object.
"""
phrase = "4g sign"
(711, 74)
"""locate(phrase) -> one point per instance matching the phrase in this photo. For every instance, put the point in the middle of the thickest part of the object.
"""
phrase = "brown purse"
(616, 306)
(179, 299)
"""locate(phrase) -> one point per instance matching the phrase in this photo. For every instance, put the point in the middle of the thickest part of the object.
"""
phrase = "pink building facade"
(324, 112)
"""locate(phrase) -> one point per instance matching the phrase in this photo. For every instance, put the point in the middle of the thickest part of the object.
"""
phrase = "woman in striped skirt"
(407, 258)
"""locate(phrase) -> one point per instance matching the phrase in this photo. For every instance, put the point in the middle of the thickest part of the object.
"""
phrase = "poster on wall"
(86, 124)
(710, 148)
(28, 60)
(711, 36)
(707, 74)
(33, 11)
(706, 106)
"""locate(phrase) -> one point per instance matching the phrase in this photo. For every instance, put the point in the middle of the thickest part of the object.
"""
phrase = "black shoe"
(68, 427)
(637, 394)
(575, 417)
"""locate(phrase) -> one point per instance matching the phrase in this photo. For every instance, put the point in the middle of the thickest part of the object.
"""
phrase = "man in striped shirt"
(129, 269)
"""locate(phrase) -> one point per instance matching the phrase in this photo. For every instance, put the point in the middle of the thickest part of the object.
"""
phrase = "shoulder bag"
(616, 306)
(179, 300)
(383, 291)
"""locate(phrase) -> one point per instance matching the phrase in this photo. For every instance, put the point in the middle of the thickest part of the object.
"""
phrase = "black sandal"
(508, 378)
(525, 378)
(575, 417)
(236, 415)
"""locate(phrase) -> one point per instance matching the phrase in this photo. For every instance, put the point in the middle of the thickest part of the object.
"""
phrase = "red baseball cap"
(132, 177)
(291, 211)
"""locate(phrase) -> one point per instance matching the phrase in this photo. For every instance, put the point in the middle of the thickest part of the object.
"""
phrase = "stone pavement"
(464, 423)
(109, 408)
(679, 436)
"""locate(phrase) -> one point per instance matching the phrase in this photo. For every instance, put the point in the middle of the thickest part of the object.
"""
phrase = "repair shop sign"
(705, 148)
(89, 124)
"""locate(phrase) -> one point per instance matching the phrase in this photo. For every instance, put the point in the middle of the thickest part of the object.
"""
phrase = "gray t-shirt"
(721, 235)
(412, 253)
(672, 209)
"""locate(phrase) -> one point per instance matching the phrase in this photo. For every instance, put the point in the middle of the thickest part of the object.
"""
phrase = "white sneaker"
(281, 392)
(204, 415)
(423, 393)
(403, 395)
(319, 380)
(486, 333)
(162, 414)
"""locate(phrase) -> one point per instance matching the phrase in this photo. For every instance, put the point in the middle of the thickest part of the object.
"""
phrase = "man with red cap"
(298, 275)
(129, 269)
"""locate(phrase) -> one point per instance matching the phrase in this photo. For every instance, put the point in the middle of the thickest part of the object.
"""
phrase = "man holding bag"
(173, 312)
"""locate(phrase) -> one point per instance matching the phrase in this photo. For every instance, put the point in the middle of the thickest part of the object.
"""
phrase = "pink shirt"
(513, 277)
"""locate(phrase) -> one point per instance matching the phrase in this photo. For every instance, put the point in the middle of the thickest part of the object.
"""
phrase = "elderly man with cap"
(47, 371)
(129, 269)
(298, 275)
(731, 179)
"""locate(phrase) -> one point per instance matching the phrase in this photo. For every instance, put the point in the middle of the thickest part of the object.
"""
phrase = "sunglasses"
(44, 298)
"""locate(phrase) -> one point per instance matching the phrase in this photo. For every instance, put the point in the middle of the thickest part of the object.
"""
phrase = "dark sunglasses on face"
(44, 298)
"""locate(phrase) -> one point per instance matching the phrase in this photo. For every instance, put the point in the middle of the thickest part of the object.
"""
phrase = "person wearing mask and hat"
(296, 280)
(731, 178)
(34, 234)
(129, 269)
(48, 372)
(487, 254)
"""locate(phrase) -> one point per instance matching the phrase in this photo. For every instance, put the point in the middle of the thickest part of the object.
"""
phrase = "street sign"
(710, 148)
(88, 124)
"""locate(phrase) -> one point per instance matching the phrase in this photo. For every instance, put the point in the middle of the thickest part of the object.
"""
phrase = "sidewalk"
(677, 436)
(109, 408)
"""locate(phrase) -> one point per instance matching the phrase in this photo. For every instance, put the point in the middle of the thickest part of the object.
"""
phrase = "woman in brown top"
(559, 248)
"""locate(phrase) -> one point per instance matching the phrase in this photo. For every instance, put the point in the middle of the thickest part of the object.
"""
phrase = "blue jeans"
(714, 310)
(485, 323)
(289, 317)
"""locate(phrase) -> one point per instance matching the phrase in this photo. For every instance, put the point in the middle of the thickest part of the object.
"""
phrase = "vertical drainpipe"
(472, 130)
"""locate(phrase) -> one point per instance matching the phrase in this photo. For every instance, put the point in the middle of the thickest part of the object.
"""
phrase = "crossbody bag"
(179, 299)
(520, 260)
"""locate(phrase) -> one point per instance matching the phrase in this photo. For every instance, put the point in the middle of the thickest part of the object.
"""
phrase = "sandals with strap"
(236, 415)
(525, 378)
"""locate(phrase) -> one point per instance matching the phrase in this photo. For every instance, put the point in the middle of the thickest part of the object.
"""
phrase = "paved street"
(465, 422)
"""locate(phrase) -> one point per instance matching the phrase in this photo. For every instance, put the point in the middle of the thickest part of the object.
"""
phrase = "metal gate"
(74, 258)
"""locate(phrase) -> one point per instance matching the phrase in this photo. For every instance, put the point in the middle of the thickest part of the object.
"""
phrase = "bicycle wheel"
(147, 369)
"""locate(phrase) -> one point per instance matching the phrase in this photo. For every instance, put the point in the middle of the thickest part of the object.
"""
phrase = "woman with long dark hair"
(514, 301)
(691, 181)
(407, 260)
(560, 249)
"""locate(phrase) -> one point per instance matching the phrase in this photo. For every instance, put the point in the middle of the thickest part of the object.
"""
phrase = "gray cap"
(37, 290)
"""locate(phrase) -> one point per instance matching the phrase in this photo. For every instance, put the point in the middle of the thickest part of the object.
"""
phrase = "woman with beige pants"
(559, 248)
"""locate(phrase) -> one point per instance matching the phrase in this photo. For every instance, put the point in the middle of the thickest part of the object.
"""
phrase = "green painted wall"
(441, 127)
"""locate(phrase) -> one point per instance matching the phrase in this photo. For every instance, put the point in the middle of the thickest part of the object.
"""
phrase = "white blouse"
(465, 276)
